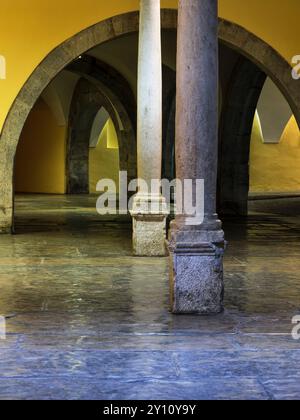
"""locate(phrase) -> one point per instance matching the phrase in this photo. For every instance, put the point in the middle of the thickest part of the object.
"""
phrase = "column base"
(149, 226)
(196, 271)
(5, 220)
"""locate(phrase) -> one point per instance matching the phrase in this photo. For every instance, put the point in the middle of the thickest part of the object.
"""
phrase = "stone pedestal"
(196, 271)
(149, 215)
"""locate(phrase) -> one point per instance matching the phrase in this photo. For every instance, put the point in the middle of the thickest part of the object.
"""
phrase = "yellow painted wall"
(275, 167)
(30, 29)
(40, 158)
(104, 159)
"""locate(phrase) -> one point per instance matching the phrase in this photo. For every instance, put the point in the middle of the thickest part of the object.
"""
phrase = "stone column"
(196, 250)
(149, 208)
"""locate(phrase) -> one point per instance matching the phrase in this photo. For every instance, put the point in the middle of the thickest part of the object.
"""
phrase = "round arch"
(233, 35)
(99, 86)
(235, 129)
(86, 102)
(266, 58)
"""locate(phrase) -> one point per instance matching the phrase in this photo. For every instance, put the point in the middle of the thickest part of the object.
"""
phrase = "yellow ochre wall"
(275, 167)
(104, 159)
(30, 29)
(40, 158)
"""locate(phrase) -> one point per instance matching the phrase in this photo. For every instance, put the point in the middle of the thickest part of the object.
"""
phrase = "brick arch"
(233, 35)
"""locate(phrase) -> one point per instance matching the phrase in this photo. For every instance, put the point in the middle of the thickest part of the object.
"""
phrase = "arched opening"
(95, 101)
(104, 158)
(103, 85)
(258, 143)
(80, 131)
(255, 116)
(242, 86)
(274, 156)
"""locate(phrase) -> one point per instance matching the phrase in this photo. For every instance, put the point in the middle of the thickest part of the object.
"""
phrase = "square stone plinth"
(196, 279)
(149, 235)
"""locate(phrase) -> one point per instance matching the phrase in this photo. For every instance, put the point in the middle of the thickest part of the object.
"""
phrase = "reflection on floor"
(87, 320)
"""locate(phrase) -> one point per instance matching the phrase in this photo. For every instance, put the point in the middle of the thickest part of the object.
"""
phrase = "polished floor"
(86, 320)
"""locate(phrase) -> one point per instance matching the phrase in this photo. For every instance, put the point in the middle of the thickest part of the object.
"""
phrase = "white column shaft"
(149, 114)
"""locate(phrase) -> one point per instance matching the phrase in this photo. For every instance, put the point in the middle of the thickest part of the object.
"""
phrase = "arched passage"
(100, 87)
(86, 103)
(120, 103)
(236, 123)
(257, 61)
(233, 35)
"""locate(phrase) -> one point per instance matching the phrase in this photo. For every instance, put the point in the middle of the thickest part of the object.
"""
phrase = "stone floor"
(86, 320)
